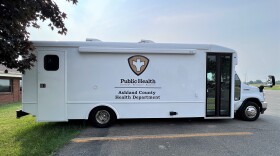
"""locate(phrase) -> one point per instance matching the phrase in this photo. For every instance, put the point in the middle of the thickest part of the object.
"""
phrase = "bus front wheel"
(250, 111)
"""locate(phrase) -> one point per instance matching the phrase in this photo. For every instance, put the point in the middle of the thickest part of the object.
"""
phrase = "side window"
(51, 62)
(237, 88)
(20, 85)
(5, 85)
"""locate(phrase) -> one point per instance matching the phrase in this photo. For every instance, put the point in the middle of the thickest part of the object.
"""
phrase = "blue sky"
(251, 27)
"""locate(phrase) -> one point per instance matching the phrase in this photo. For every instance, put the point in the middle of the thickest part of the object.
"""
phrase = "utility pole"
(246, 78)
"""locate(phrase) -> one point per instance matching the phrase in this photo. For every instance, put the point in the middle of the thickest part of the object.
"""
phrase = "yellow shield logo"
(138, 64)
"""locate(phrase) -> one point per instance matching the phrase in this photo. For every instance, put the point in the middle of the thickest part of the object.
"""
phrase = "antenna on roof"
(146, 41)
(93, 40)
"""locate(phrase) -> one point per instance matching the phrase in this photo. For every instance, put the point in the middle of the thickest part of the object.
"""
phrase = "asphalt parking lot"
(184, 136)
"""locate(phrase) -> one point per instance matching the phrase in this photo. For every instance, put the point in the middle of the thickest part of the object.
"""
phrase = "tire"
(102, 117)
(250, 111)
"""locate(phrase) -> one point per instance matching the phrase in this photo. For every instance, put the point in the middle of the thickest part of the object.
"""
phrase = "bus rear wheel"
(102, 117)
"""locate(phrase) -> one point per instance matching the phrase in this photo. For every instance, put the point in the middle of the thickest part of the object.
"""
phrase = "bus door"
(218, 84)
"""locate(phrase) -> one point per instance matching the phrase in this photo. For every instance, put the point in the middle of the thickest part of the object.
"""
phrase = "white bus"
(105, 81)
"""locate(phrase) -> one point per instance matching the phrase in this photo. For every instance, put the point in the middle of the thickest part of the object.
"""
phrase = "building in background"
(10, 85)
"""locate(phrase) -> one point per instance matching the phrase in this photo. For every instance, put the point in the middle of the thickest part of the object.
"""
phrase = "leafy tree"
(15, 17)
(258, 82)
(251, 82)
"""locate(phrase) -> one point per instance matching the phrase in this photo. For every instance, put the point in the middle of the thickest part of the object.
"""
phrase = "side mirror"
(271, 81)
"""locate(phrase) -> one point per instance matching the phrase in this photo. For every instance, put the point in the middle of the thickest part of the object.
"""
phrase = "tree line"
(261, 82)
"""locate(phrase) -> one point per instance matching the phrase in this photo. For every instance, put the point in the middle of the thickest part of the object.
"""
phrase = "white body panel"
(93, 74)
(171, 84)
(248, 92)
(30, 90)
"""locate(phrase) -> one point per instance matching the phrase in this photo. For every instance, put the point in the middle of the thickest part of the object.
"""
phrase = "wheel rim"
(102, 116)
(251, 112)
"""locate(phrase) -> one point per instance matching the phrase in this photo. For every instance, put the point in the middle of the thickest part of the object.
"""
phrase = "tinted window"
(225, 85)
(20, 85)
(5, 85)
(51, 62)
(237, 88)
(211, 85)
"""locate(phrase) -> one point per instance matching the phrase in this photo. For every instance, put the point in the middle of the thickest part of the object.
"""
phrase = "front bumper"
(21, 113)
(264, 107)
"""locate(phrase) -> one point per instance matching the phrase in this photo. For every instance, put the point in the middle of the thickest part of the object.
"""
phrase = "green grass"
(210, 103)
(276, 87)
(24, 136)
